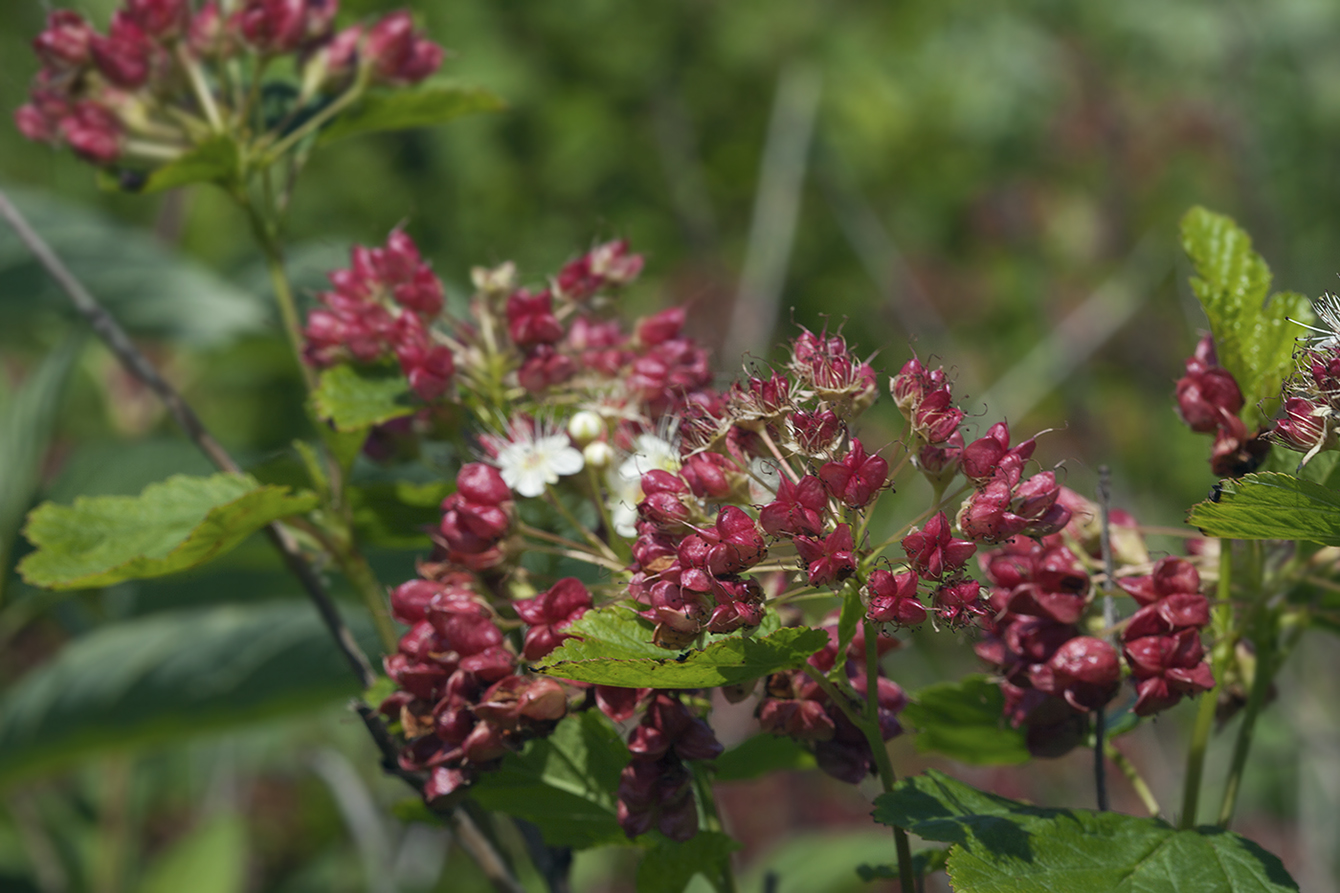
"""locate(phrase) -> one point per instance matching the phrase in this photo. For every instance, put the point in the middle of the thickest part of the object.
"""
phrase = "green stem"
(1127, 768)
(200, 88)
(1200, 733)
(263, 231)
(1265, 634)
(359, 574)
(875, 737)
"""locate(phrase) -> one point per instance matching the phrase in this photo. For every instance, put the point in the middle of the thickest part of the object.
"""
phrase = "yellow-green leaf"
(171, 526)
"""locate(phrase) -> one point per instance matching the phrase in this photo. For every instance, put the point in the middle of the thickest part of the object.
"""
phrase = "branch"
(139, 366)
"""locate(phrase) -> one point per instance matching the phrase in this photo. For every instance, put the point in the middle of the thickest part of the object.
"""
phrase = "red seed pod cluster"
(1052, 676)
(924, 398)
(824, 366)
(1209, 400)
(383, 306)
(934, 556)
(123, 96)
(1004, 503)
(796, 706)
(656, 788)
(476, 518)
(461, 704)
(1162, 640)
(603, 267)
(690, 577)
(549, 613)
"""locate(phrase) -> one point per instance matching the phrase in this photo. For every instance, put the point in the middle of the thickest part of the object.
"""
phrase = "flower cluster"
(796, 705)
(1051, 675)
(462, 703)
(166, 78)
(476, 519)
(383, 307)
(1004, 503)
(1209, 400)
(1162, 639)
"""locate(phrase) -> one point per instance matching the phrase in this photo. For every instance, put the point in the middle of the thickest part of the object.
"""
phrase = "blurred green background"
(994, 185)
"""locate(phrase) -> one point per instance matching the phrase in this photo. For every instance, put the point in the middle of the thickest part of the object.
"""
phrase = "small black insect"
(683, 657)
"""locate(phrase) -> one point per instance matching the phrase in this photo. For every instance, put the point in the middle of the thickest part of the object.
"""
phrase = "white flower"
(625, 482)
(529, 464)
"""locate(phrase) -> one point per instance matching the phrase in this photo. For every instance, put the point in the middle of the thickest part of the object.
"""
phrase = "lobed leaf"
(424, 106)
(171, 676)
(615, 648)
(1254, 340)
(1002, 846)
(564, 784)
(171, 526)
(964, 720)
(1271, 506)
(357, 397)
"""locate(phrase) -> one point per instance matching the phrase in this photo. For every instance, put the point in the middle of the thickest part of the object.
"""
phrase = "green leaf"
(27, 422)
(965, 720)
(1253, 338)
(761, 755)
(210, 859)
(177, 524)
(216, 160)
(424, 106)
(357, 397)
(616, 649)
(563, 784)
(1271, 506)
(398, 515)
(1000, 845)
(171, 676)
(669, 866)
(151, 290)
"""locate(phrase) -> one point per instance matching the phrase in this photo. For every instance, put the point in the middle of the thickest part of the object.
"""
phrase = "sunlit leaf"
(1253, 338)
(1001, 845)
(357, 397)
(173, 525)
(1271, 506)
(615, 648)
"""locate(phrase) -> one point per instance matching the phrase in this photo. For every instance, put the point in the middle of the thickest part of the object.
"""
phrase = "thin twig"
(139, 366)
(1109, 619)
